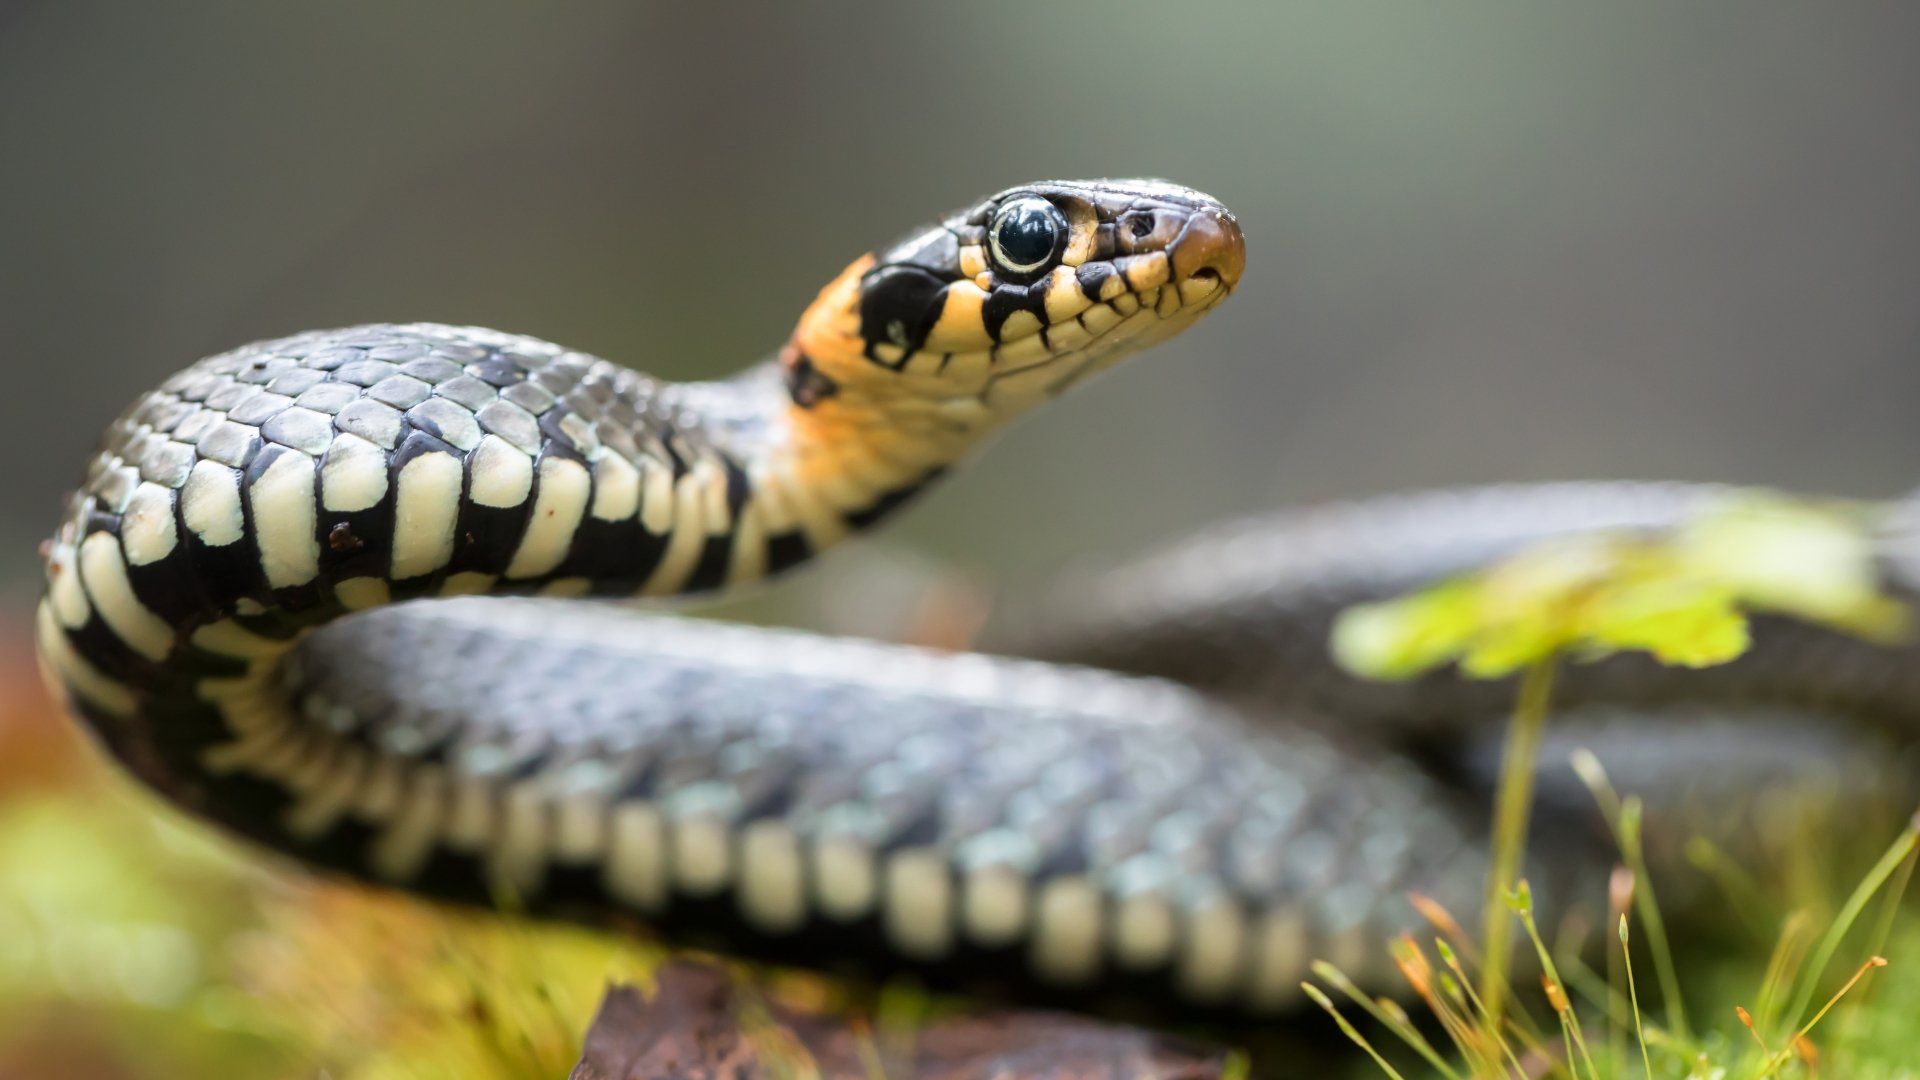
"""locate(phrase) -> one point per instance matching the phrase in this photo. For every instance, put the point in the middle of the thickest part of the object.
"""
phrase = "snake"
(363, 597)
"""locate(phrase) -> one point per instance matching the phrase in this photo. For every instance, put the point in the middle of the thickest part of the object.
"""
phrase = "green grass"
(1831, 996)
(1834, 997)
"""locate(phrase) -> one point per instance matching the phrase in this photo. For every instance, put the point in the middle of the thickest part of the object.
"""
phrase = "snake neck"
(827, 440)
(800, 466)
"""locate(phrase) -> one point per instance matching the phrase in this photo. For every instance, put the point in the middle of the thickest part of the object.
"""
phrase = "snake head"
(966, 323)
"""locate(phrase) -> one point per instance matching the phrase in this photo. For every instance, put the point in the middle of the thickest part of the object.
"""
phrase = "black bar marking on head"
(899, 305)
(1004, 300)
(1104, 244)
(1093, 277)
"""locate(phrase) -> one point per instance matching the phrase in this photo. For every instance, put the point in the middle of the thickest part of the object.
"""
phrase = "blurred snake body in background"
(1195, 823)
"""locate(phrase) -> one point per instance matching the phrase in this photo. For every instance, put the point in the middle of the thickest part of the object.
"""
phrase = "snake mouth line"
(1095, 354)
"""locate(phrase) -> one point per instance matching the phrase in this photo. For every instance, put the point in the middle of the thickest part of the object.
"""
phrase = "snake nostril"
(1141, 226)
(1210, 248)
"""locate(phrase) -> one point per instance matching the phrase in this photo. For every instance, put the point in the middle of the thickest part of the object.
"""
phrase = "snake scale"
(1173, 795)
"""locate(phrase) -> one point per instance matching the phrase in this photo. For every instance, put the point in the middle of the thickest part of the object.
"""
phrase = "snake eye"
(1025, 236)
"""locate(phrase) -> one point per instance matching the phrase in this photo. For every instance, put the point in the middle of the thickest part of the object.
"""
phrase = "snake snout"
(1211, 247)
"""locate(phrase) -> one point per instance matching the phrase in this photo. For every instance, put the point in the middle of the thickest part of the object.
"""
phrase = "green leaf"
(1403, 639)
(1680, 622)
(1681, 597)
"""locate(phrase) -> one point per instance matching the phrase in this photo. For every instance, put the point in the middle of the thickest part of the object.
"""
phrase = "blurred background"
(1487, 241)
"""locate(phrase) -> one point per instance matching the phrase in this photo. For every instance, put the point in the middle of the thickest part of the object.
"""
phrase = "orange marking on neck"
(867, 429)
(828, 333)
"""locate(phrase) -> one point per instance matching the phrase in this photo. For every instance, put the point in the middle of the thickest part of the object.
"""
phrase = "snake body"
(1191, 824)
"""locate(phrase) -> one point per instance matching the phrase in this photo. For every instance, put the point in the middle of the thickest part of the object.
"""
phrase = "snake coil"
(223, 611)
